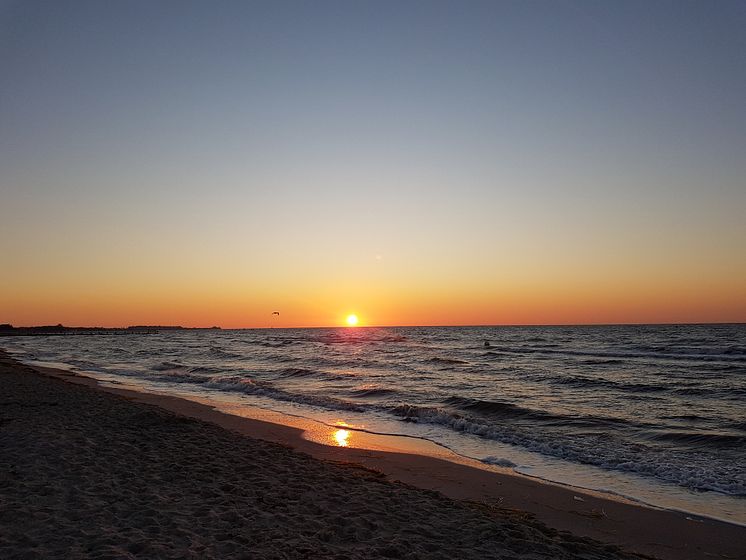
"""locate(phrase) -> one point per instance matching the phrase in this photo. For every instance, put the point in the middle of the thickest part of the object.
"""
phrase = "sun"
(351, 320)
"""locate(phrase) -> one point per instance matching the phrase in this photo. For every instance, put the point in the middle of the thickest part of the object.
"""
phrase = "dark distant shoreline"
(56, 330)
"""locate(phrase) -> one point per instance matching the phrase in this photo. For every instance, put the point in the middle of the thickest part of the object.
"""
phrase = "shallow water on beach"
(656, 413)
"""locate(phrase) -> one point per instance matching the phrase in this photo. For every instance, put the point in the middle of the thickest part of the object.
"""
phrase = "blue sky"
(304, 137)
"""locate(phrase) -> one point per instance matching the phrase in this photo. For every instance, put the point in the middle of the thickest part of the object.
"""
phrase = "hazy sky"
(415, 162)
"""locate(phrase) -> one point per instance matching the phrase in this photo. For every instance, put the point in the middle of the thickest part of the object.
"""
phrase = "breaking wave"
(685, 468)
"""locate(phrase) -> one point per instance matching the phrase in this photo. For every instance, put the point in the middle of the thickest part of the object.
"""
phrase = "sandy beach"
(88, 472)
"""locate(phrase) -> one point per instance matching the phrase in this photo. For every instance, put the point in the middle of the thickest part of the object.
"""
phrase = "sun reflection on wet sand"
(340, 437)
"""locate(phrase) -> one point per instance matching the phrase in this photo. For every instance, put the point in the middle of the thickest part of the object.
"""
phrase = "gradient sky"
(207, 163)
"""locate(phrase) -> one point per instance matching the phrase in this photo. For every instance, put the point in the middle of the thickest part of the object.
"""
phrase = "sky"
(415, 163)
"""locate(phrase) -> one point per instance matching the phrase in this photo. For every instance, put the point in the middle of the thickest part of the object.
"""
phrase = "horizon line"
(218, 327)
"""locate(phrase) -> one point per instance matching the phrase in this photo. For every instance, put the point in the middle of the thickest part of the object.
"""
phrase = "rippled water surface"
(654, 412)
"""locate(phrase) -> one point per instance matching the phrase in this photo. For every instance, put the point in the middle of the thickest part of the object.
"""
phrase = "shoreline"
(318, 431)
(323, 432)
(710, 505)
(665, 534)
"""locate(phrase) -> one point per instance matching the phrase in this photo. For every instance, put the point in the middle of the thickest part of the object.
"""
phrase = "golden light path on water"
(341, 437)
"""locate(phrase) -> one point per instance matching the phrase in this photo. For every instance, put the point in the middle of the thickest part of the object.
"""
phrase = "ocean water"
(655, 413)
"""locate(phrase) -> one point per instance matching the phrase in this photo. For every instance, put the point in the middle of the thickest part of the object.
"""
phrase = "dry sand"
(88, 474)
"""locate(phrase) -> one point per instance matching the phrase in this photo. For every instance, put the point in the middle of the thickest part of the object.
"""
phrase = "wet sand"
(94, 472)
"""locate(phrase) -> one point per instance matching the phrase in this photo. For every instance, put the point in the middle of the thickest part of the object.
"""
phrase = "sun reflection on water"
(341, 437)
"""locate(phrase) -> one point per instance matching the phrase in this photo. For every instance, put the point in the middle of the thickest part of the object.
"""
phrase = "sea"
(654, 413)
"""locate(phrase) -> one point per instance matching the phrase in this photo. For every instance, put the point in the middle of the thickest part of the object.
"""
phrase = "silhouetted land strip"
(52, 330)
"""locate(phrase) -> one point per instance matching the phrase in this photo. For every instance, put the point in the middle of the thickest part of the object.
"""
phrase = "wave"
(695, 390)
(217, 352)
(166, 366)
(687, 417)
(499, 461)
(205, 370)
(176, 376)
(494, 354)
(447, 361)
(371, 392)
(579, 381)
(280, 344)
(352, 364)
(83, 364)
(722, 368)
(299, 372)
(602, 450)
(176, 368)
(250, 386)
(504, 410)
(714, 440)
(253, 387)
(497, 409)
(702, 355)
(286, 358)
(602, 362)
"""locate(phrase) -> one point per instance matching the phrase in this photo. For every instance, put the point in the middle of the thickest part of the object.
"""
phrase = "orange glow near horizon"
(448, 293)
(475, 307)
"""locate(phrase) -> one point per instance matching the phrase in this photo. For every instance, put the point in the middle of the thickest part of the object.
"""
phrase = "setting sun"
(352, 320)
